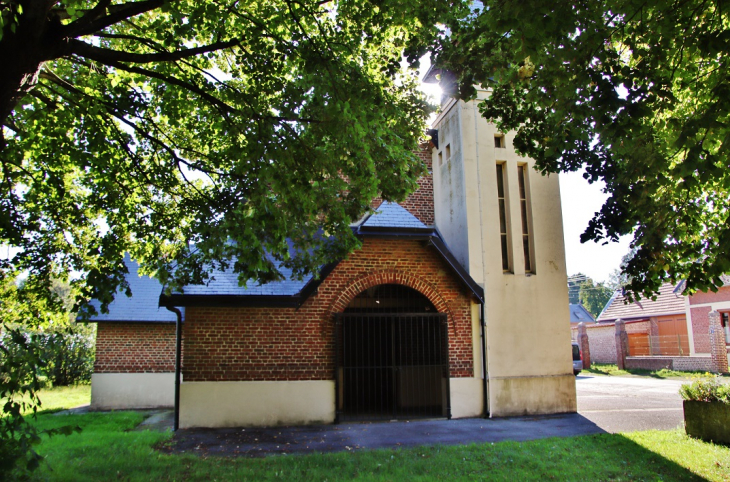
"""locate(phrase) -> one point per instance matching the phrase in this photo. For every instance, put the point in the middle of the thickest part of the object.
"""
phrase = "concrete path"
(625, 404)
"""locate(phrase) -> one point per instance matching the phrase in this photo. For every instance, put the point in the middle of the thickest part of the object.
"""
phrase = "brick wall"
(242, 344)
(135, 348)
(681, 363)
(602, 343)
(701, 328)
(420, 202)
(723, 294)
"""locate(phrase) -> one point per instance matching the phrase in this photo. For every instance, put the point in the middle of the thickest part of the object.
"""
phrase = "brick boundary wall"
(135, 348)
(246, 344)
(601, 340)
(682, 363)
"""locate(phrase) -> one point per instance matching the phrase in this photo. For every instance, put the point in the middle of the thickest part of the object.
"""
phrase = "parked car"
(577, 359)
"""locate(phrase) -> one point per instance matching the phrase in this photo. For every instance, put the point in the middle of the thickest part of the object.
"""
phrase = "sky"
(580, 200)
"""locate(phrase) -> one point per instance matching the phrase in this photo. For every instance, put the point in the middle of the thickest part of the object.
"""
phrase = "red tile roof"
(667, 303)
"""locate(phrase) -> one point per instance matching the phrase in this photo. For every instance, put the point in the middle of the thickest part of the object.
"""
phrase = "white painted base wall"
(510, 396)
(466, 397)
(251, 404)
(132, 390)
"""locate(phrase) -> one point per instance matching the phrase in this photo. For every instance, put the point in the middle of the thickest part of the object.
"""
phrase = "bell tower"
(503, 222)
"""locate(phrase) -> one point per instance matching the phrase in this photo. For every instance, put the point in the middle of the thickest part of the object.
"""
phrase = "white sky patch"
(580, 201)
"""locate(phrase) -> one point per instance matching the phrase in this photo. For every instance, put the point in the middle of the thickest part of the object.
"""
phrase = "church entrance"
(391, 357)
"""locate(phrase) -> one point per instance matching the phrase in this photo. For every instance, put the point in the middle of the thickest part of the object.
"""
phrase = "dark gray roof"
(578, 314)
(392, 215)
(141, 307)
(226, 283)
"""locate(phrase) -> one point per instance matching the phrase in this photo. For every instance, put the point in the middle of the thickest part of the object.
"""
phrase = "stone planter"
(709, 421)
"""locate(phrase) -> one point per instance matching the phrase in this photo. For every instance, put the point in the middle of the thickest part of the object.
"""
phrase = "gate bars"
(391, 366)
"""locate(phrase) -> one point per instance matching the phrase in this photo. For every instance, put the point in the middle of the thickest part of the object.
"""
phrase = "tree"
(194, 135)
(202, 135)
(594, 296)
(633, 91)
(24, 359)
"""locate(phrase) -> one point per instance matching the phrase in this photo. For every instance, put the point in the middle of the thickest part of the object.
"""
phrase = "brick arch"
(391, 276)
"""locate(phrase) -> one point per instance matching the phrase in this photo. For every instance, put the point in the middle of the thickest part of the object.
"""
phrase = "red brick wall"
(135, 348)
(723, 294)
(420, 202)
(242, 344)
(701, 329)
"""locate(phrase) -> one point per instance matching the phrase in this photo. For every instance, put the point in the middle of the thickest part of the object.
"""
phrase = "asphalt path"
(625, 404)
(605, 404)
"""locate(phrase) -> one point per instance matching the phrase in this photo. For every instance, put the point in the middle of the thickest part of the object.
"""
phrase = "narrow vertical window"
(524, 207)
(725, 319)
(499, 141)
(502, 217)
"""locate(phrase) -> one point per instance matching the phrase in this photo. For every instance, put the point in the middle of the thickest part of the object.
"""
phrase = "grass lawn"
(612, 370)
(108, 449)
(61, 398)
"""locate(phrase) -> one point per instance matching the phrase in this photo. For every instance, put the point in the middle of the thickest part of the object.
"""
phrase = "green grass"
(61, 398)
(108, 449)
(612, 370)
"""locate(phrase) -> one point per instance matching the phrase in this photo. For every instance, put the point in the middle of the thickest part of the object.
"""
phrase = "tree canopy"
(635, 92)
(200, 135)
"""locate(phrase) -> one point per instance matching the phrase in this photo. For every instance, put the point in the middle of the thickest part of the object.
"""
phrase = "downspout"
(178, 353)
(484, 360)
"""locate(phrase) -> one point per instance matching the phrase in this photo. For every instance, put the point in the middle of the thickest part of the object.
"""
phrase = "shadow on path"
(260, 442)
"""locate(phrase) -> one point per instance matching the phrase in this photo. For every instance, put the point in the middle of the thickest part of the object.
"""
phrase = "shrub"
(706, 390)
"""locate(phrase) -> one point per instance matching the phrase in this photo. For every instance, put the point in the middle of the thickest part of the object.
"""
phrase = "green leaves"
(283, 124)
(633, 92)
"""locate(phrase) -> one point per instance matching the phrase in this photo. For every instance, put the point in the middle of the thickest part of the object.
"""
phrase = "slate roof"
(141, 307)
(223, 288)
(668, 302)
(226, 283)
(392, 215)
(578, 314)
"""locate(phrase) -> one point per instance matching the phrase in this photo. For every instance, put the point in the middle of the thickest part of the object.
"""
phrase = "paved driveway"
(622, 404)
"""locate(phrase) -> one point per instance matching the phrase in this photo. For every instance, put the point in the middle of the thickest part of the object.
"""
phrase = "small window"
(524, 210)
(499, 141)
(503, 217)
(726, 326)
(441, 158)
(447, 150)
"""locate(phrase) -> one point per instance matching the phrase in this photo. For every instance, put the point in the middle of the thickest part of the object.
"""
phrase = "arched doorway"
(391, 356)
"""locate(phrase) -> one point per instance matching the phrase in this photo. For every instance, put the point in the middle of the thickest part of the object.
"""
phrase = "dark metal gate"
(392, 366)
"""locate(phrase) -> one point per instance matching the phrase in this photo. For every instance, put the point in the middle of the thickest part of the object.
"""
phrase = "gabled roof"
(390, 220)
(143, 306)
(578, 313)
(392, 215)
(668, 302)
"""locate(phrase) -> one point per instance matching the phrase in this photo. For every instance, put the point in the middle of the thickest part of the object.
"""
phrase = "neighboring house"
(453, 307)
(699, 305)
(579, 314)
(665, 331)
(671, 325)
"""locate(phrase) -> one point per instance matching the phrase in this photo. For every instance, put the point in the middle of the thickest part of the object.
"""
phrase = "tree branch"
(118, 13)
(90, 15)
(105, 56)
